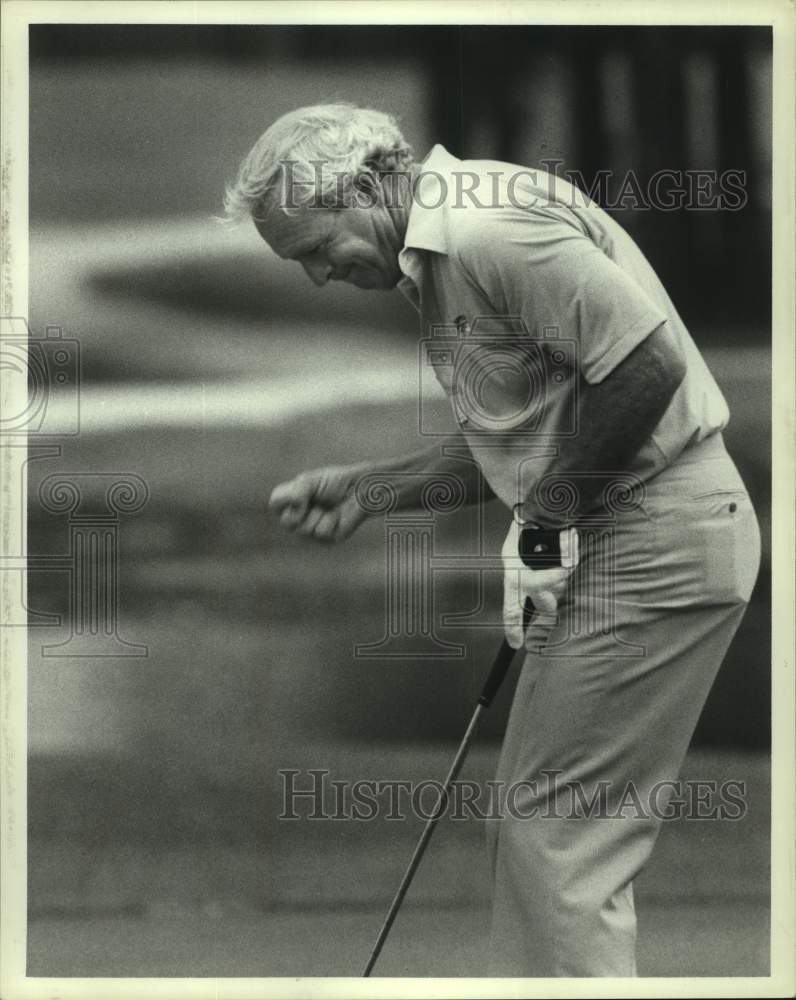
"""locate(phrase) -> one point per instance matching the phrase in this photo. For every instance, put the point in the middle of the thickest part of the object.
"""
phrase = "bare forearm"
(410, 475)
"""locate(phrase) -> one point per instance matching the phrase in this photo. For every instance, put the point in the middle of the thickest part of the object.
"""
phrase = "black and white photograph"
(398, 459)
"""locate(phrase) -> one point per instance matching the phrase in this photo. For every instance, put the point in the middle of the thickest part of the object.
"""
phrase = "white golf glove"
(543, 586)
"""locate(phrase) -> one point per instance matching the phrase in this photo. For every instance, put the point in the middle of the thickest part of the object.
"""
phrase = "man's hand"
(321, 504)
(543, 586)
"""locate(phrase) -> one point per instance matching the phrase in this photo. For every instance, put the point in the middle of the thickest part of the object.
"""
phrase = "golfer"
(618, 452)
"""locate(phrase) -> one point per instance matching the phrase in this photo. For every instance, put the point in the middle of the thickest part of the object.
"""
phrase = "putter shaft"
(431, 823)
(495, 678)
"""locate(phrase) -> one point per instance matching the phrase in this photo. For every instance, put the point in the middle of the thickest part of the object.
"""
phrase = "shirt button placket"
(462, 329)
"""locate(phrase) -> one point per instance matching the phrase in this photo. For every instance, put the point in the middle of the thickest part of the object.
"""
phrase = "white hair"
(331, 150)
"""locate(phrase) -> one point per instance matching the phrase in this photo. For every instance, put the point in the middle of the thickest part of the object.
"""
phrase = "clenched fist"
(321, 504)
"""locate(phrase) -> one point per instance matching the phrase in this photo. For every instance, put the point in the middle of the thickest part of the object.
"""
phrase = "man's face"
(355, 245)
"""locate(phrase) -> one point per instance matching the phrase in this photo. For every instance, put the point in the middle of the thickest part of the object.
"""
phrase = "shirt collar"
(427, 226)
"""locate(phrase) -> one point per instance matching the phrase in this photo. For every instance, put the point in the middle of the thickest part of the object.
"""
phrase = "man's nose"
(317, 272)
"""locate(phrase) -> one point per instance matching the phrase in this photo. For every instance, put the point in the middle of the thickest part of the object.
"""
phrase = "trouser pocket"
(704, 549)
(727, 536)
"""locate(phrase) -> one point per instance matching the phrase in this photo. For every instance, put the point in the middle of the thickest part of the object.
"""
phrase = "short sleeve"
(538, 265)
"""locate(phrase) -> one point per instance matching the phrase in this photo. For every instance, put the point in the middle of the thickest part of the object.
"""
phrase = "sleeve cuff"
(597, 370)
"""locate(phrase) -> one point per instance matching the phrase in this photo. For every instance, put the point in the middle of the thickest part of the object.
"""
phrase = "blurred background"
(213, 370)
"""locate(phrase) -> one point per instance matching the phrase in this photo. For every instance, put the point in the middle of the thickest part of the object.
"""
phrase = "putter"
(495, 678)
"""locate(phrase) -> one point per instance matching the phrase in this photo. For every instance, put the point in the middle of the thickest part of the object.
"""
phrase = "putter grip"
(503, 660)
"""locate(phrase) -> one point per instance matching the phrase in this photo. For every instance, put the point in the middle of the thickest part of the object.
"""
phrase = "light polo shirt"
(527, 291)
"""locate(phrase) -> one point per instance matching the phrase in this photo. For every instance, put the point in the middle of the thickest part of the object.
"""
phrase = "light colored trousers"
(672, 585)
